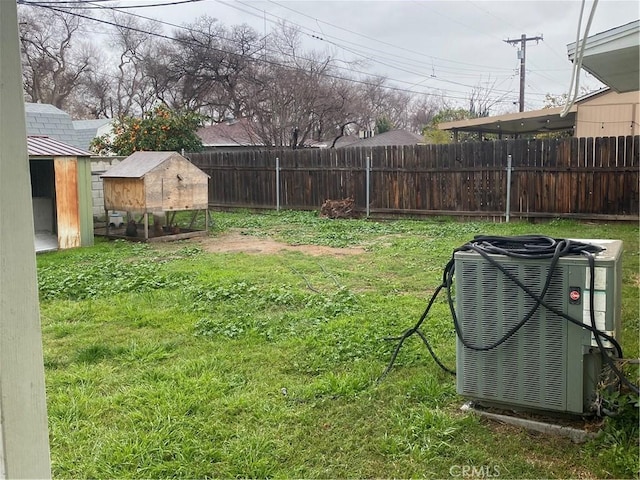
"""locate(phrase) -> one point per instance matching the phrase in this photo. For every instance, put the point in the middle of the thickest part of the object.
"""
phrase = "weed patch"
(169, 361)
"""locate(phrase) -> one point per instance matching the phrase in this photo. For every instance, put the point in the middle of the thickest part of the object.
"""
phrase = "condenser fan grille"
(529, 368)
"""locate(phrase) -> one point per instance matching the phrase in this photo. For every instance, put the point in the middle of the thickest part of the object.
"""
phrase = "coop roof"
(41, 146)
(138, 164)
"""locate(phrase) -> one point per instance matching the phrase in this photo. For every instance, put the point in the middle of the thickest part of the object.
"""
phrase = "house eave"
(613, 57)
(536, 121)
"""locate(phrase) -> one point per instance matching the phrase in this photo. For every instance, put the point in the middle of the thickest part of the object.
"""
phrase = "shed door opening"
(43, 193)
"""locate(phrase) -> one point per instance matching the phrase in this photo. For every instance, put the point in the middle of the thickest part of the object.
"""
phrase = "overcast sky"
(443, 47)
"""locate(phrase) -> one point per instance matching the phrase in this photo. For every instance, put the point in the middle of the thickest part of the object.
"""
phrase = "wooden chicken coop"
(155, 186)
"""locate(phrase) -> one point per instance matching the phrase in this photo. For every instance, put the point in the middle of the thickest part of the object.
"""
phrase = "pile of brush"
(338, 209)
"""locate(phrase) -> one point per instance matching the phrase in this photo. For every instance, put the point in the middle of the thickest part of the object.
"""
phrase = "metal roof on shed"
(38, 146)
(138, 164)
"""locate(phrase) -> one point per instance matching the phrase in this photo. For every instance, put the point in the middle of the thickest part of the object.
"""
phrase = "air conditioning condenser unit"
(550, 364)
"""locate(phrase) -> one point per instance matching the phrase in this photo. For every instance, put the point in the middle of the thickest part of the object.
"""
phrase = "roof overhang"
(613, 57)
(536, 121)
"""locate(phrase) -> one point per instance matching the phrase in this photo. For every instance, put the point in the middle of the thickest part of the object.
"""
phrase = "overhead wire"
(403, 49)
(426, 77)
(391, 63)
(86, 4)
(426, 5)
(359, 49)
(253, 59)
(395, 63)
(518, 27)
(378, 55)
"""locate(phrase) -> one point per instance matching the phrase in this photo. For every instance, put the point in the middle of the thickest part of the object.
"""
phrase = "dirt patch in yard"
(235, 242)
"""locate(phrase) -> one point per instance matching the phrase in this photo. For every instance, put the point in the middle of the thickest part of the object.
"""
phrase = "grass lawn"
(171, 361)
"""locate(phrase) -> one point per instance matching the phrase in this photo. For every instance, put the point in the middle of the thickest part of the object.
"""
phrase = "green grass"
(167, 361)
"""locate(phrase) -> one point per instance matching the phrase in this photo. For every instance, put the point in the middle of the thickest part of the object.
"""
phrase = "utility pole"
(522, 55)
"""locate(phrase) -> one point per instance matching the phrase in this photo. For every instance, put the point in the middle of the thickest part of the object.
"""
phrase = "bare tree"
(296, 96)
(55, 60)
(483, 98)
(422, 111)
(94, 96)
(377, 101)
(290, 95)
(210, 66)
(133, 90)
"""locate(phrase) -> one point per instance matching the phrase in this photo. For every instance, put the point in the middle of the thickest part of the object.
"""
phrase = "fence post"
(277, 184)
(368, 186)
(508, 206)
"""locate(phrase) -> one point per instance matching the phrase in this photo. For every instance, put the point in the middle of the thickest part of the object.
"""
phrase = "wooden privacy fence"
(575, 177)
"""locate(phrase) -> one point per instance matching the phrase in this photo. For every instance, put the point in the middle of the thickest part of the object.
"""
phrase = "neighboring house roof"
(343, 141)
(47, 120)
(346, 141)
(235, 133)
(392, 137)
(48, 147)
(87, 130)
(613, 57)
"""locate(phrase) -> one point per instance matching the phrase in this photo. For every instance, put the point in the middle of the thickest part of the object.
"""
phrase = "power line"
(377, 58)
(358, 52)
(367, 37)
(350, 69)
(520, 27)
(503, 21)
(59, 2)
(253, 59)
(350, 50)
(81, 4)
(411, 89)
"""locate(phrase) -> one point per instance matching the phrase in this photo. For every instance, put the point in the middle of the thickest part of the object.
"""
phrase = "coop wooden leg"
(193, 219)
(146, 226)
(157, 224)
